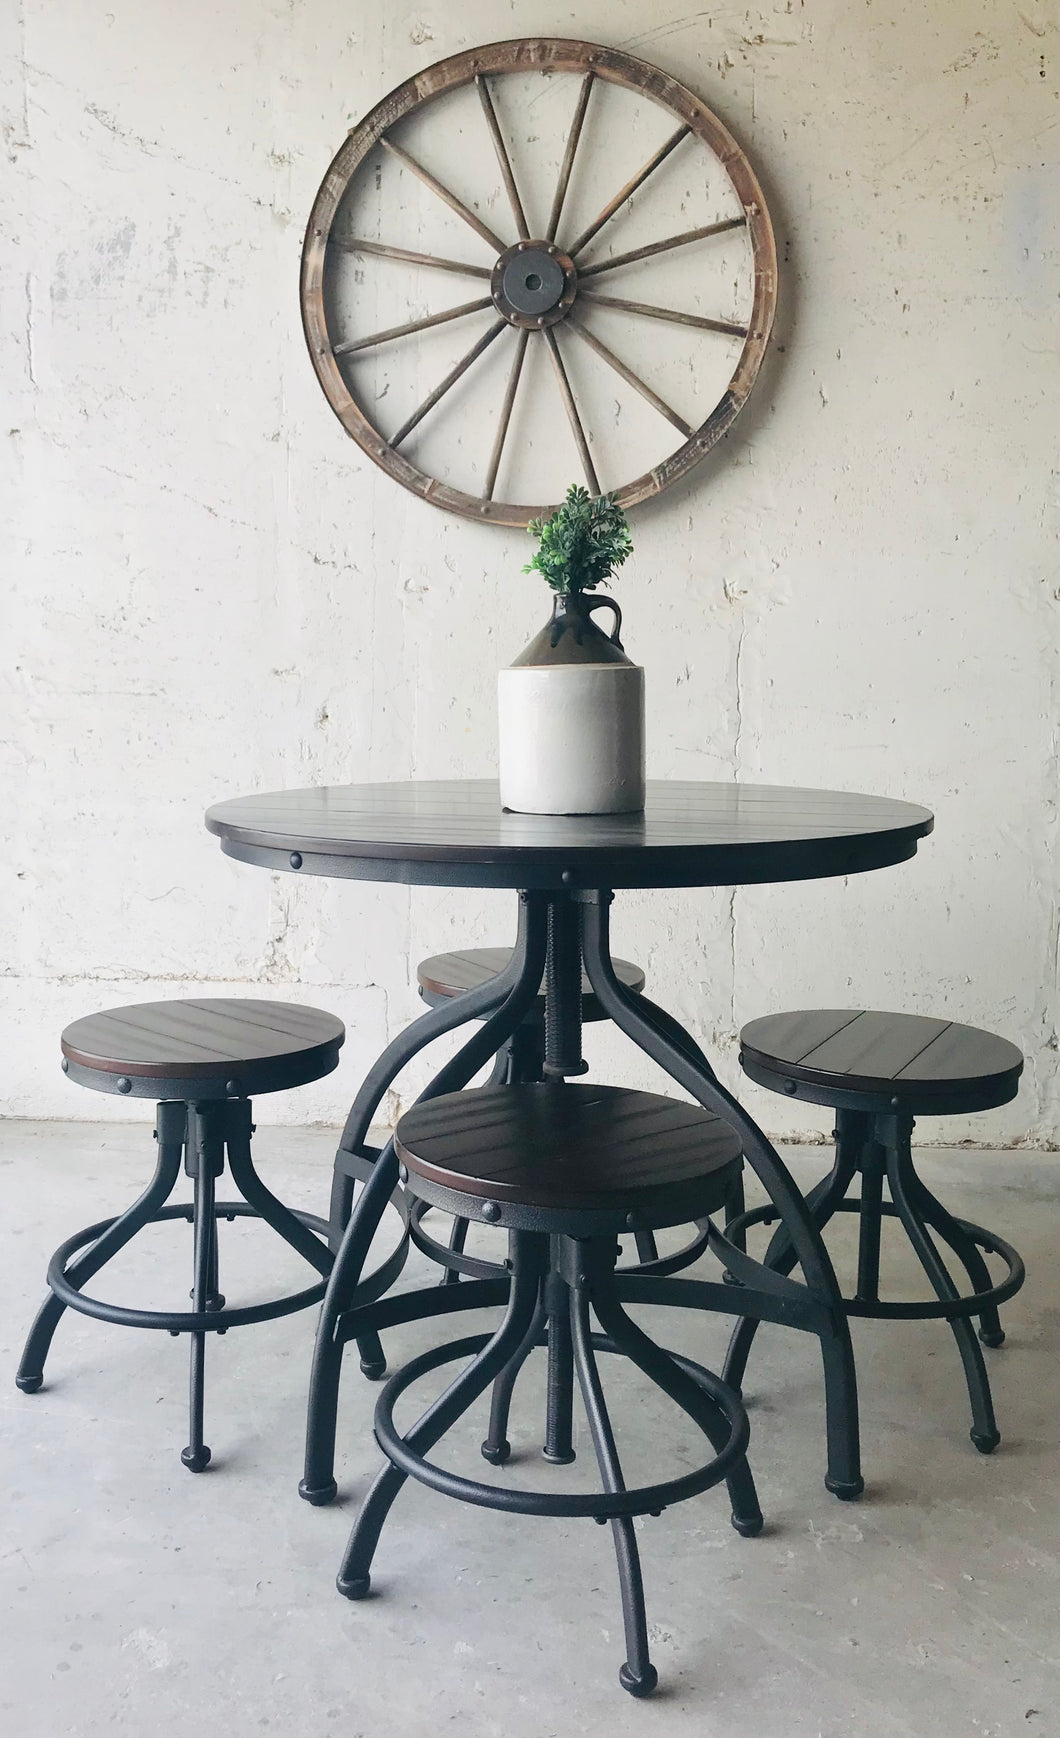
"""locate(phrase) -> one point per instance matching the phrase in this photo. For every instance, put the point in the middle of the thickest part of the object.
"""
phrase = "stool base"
(542, 1269)
(204, 1134)
(879, 1147)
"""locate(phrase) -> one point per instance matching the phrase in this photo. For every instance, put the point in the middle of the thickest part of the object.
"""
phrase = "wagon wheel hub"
(534, 284)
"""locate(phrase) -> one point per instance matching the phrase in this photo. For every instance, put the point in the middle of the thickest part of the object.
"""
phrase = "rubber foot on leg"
(748, 1526)
(992, 1336)
(318, 1495)
(638, 1684)
(358, 1587)
(985, 1441)
(373, 1368)
(496, 1452)
(29, 1384)
(559, 1459)
(196, 1459)
(847, 1490)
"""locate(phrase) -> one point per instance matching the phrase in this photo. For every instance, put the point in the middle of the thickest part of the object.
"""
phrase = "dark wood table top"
(455, 833)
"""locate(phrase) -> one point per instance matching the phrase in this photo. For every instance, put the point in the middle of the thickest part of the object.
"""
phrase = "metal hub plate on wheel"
(533, 284)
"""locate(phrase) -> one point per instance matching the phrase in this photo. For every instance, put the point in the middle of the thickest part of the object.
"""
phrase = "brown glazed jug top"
(572, 637)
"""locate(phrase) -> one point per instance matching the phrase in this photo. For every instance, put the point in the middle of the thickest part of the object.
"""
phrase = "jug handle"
(595, 603)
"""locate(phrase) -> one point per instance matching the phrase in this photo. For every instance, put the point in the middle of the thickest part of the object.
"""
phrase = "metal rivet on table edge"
(295, 859)
(633, 1220)
(403, 1173)
(65, 1065)
(491, 1212)
(124, 1083)
(895, 1103)
(567, 877)
(232, 1088)
(791, 1086)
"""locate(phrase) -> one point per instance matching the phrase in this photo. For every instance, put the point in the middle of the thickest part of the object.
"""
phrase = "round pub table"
(565, 871)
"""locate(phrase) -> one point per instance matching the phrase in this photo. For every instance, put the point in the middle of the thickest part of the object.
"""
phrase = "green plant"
(582, 543)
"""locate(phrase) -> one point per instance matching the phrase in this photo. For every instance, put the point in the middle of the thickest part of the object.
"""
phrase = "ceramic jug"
(571, 716)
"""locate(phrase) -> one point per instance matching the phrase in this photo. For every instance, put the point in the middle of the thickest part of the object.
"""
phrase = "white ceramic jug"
(571, 717)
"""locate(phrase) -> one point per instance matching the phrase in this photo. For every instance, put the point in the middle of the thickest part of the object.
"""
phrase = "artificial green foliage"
(582, 543)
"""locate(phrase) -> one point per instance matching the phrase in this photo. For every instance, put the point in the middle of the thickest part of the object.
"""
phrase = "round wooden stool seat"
(216, 1047)
(857, 1059)
(446, 975)
(570, 1158)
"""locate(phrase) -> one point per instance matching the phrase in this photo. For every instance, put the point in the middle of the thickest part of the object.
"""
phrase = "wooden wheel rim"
(540, 54)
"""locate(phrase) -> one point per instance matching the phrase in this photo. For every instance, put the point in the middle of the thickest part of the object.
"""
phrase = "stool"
(879, 1071)
(563, 1169)
(200, 1060)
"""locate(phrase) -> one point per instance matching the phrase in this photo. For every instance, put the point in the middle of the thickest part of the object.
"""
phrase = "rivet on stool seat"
(879, 1071)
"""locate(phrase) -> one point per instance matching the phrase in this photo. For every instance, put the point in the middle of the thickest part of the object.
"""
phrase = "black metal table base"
(549, 1274)
(878, 1146)
(558, 931)
(203, 1134)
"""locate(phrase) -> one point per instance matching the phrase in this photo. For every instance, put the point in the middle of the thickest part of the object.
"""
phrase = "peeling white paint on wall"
(210, 591)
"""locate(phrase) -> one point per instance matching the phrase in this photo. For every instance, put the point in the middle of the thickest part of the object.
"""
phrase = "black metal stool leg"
(204, 1160)
(683, 1389)
(967, 1251)
(496, 1448)
(170, 1127)
(637, 1674)
(895, 1131)
(646, 1246)
(559, 1400)
(734, 1207)
(215, 1299)
(457, 1240)
(870, 1218)
(529, 1257)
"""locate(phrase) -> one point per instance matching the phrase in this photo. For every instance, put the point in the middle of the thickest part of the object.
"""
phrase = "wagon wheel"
(550, 287)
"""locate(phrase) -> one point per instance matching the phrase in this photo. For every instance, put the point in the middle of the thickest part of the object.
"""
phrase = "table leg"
(824, 1313)
(506, 999)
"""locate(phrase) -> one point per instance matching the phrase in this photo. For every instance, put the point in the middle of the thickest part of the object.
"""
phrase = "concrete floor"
(139, 1599)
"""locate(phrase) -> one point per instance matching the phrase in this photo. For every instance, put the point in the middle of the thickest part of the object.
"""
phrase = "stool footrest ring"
(597, 1505)
(179, 1321)
(969, 1305)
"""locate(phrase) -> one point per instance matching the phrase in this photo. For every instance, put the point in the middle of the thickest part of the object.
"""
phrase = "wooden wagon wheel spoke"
(353, 344)
(628, 190)
(631, 379)
(444, 193)
(648, 308)
(537, 283)
(568, 157)
(451, 379)
(503, 159)
(506, 414)
(385, 251)
(572, 412)
(656, 247)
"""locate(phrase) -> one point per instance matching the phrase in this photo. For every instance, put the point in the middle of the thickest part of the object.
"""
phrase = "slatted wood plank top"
(452, 974)
(199, 1039)
(909, 1058)
(562, 1145)
(456, 833)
